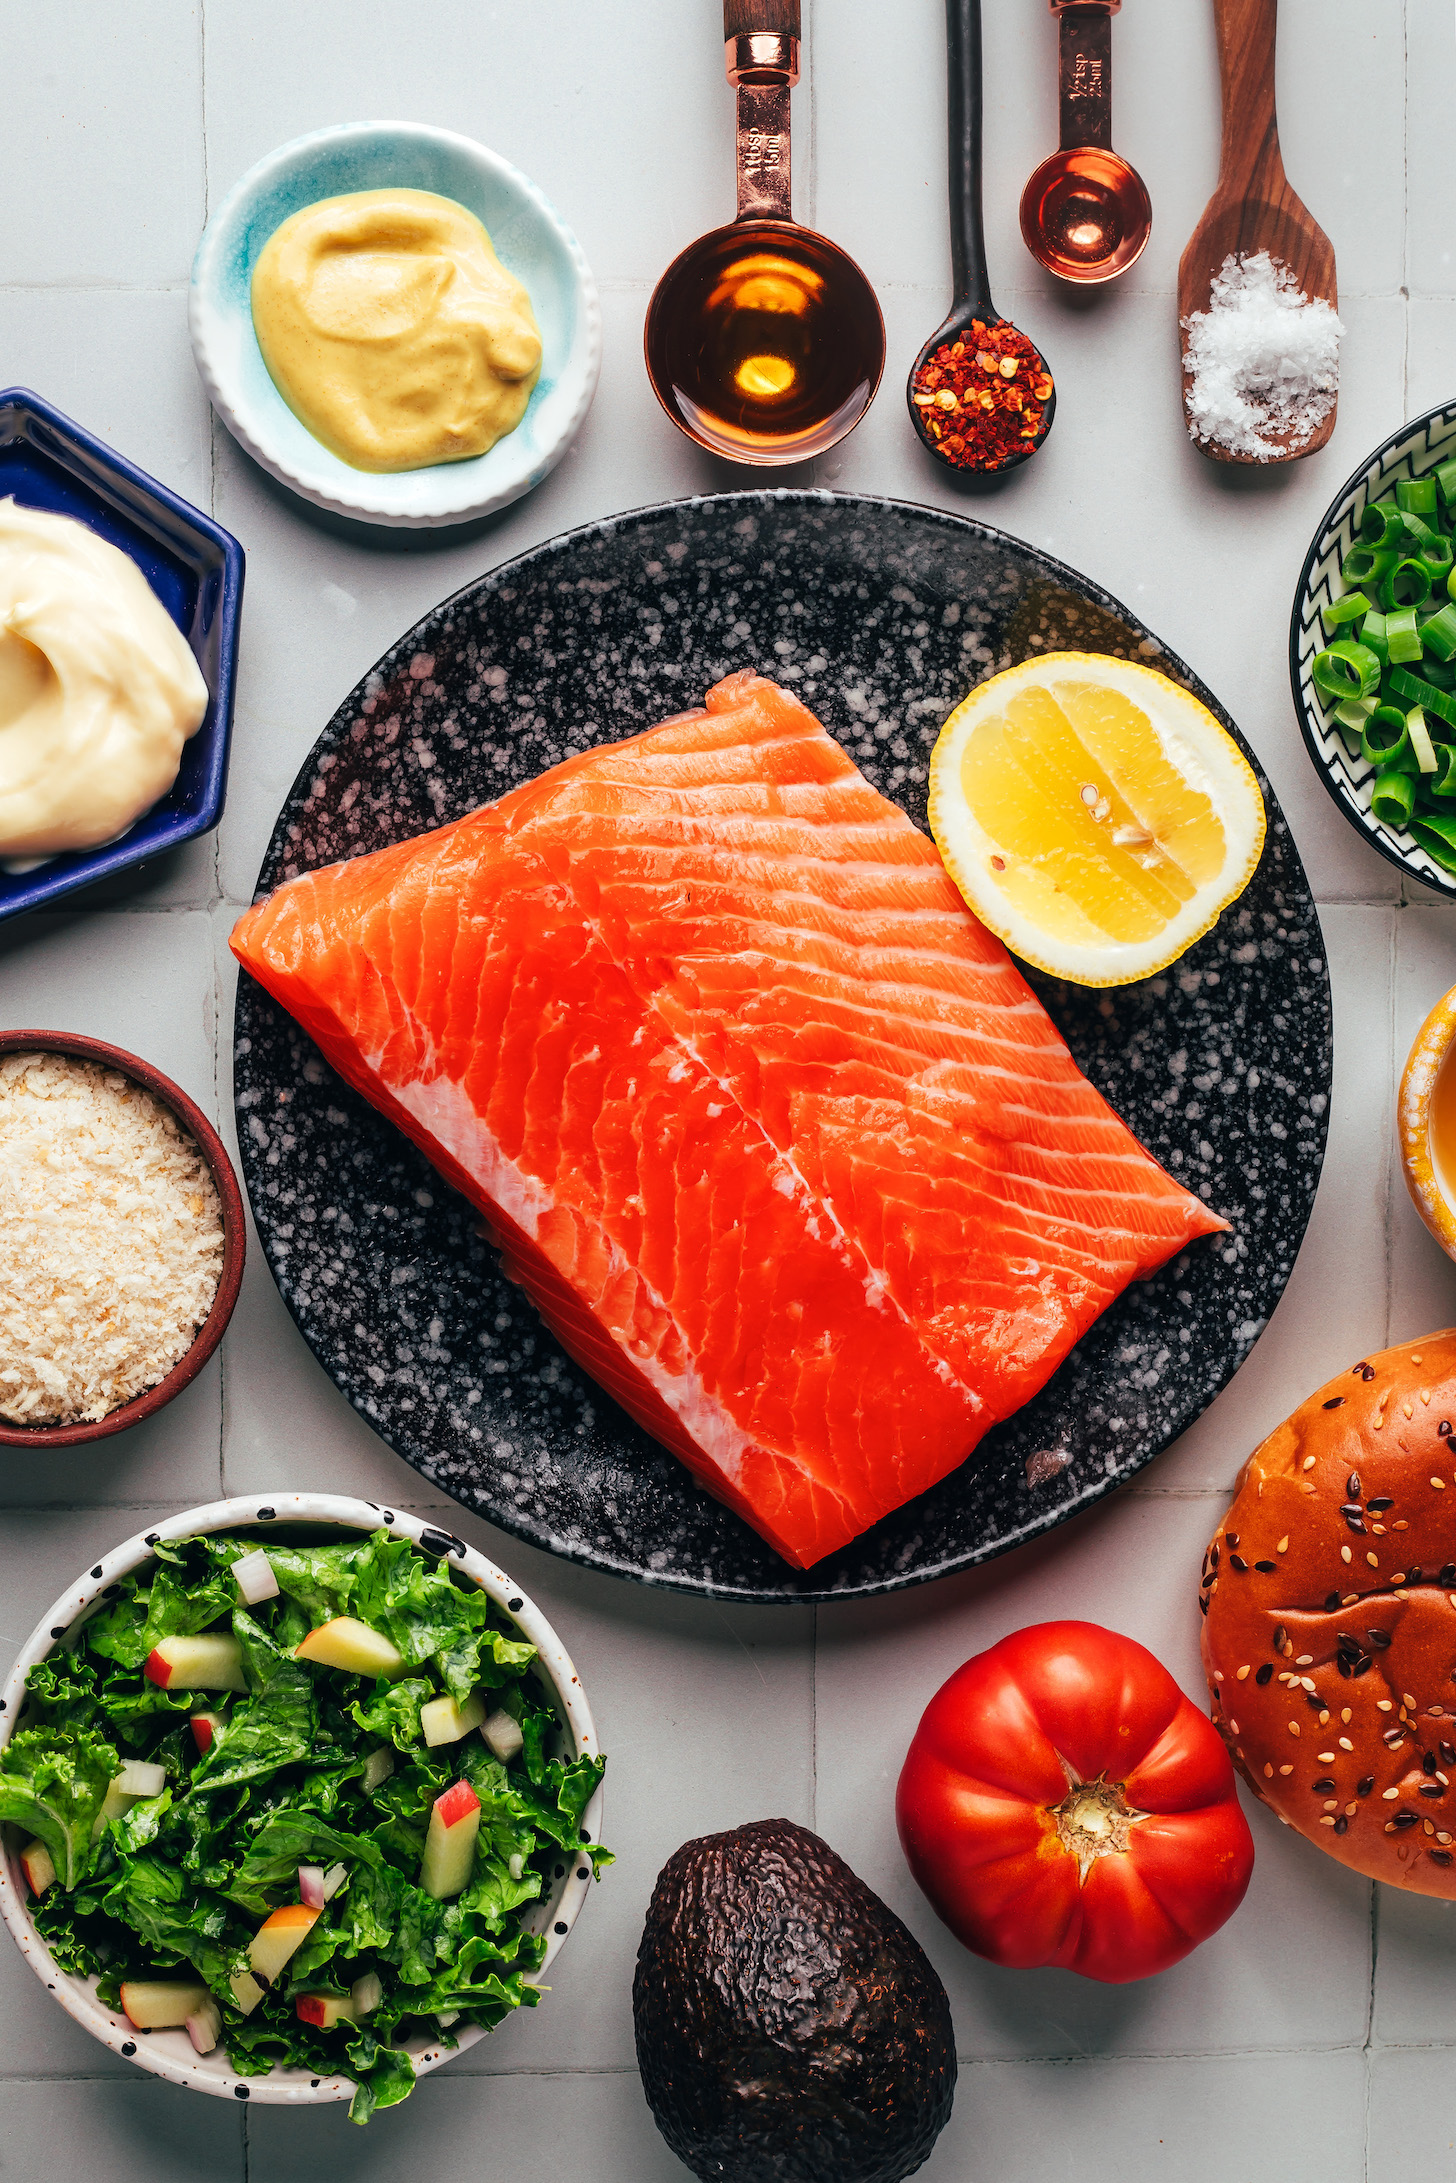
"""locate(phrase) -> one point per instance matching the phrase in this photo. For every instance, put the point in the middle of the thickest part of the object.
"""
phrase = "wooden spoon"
(1253, 207)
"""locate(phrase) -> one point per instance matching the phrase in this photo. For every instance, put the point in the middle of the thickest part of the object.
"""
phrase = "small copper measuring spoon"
(1085, 213)
(971, 284)
(764, 341)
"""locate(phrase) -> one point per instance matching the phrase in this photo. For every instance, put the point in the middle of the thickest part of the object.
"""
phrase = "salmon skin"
(783, 1148)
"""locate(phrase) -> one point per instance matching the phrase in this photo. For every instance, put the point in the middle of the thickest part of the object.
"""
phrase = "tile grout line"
(814, 1718)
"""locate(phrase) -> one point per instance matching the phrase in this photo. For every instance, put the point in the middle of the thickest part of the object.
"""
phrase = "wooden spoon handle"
(1250, 146)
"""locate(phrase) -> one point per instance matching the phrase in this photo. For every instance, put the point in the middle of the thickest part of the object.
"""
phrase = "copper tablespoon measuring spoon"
(971, 291)
(764, 341)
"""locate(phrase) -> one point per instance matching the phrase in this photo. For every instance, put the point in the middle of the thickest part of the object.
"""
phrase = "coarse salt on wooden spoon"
(1253, 209)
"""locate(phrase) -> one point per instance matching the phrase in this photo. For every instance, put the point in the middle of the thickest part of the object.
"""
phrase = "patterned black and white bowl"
(1418, 447)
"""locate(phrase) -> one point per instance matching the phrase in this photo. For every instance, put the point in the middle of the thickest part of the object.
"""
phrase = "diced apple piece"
(502, 1734)
(377, 1769)
(117, 1805)
(353, 1646)
(334, 1879)
(209, 1662)
(254, 1578)
(365, 1995)
(246, 1992)
(160, 2004)
(446, 2017)
(142, 1777)
(443, 1721)
(311, 1886)
(324, 2010)
(450, 1842)
(38, 1866)
(278, 1937)
(205, 1726)
(204, 2026)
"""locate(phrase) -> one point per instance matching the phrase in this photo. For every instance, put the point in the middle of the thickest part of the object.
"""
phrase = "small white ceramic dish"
(1414, 451)
(170, 2054)
(530, 238)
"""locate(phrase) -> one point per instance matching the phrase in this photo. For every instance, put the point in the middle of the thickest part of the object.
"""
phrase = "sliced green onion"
(1393, 798)
(1353, 712)
(1382, 525)
(1443, 781)
(1346, 669)
(1446, 482)
(1402, 636)
(1407, 584)
(1385, 741)
(1415, 728)
(1416, 496)
(1432, 547)
(1368, 565)
(1372, 635)
(1417, 691)
(1349, 609)
(1437, 836)
(1438, 635)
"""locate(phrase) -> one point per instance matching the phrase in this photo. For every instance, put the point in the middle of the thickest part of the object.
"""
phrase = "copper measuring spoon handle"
(1084, 72)
(761, 53)
(971, 284)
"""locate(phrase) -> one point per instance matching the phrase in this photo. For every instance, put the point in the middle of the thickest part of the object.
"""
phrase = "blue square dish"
(195, 568)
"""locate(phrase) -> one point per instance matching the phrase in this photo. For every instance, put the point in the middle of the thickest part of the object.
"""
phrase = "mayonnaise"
(393, 331)
(98, 690)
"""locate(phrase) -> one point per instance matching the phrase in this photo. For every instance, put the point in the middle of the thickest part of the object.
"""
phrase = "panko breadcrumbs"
(111, 1240)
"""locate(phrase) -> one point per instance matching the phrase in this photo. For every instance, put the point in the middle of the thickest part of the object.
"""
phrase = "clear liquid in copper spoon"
(764, 341)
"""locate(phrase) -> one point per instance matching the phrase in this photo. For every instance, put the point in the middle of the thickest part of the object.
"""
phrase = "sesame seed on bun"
(1329, 1618)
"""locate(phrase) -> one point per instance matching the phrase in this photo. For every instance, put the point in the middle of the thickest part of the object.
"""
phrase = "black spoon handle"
(967, 235)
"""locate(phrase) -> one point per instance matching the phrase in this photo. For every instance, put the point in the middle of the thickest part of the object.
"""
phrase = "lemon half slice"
(1093, 814)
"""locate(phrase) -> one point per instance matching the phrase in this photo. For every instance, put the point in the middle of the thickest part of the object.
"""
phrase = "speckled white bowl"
(170, 2054)
(530, 238)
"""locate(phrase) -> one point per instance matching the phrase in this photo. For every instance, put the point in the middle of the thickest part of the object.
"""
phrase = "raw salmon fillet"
(784, 1150)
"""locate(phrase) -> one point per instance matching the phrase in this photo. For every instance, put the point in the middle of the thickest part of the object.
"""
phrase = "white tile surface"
(138, 112)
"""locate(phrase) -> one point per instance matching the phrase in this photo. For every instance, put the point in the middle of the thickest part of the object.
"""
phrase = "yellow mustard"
(393, 331)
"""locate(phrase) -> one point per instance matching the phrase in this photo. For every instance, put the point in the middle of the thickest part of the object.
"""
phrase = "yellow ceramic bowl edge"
(1413, 1121)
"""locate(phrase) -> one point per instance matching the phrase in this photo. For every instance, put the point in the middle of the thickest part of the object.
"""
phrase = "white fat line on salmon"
(451, 1119)
(880, 1296)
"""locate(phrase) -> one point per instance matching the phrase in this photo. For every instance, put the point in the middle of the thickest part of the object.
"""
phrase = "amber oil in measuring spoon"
(765, 342)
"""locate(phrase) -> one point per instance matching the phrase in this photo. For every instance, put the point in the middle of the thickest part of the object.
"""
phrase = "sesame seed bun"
(1329, 1606)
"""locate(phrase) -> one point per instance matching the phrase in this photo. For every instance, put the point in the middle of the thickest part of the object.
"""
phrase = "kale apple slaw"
(309, 1768)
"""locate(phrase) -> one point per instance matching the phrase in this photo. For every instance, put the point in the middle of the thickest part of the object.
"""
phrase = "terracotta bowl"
(169, 2054)
(1413, 1121)
(230, 1198)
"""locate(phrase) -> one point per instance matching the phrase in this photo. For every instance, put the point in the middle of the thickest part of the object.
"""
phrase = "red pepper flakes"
(982, 398)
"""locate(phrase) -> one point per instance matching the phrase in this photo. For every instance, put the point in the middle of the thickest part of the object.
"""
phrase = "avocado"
(789, 2028)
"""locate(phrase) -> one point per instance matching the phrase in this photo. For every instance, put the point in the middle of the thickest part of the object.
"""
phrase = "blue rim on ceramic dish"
(1414, 451)
(531, 239)
(195, 568)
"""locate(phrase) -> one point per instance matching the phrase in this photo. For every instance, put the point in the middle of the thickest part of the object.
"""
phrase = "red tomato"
(1064, 1803)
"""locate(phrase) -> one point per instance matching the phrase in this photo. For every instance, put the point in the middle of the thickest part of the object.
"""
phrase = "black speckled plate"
(880, 615)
